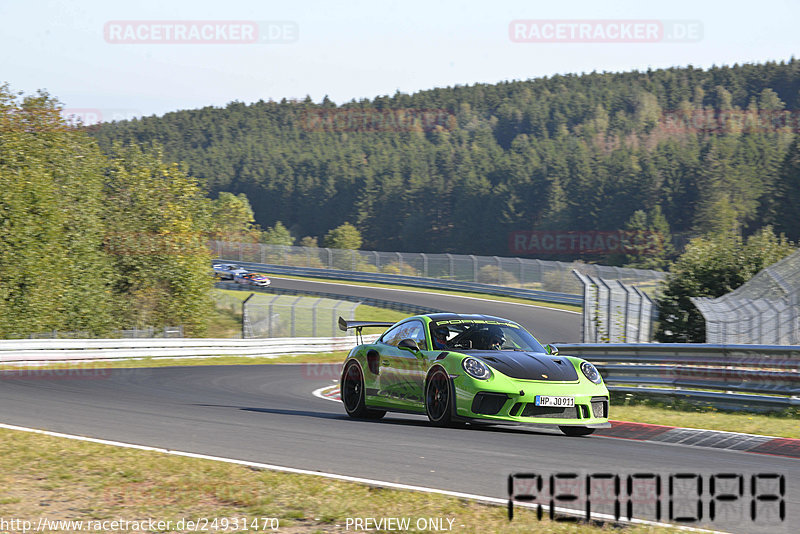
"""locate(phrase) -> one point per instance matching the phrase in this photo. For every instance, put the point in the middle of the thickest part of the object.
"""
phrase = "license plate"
(547, 400)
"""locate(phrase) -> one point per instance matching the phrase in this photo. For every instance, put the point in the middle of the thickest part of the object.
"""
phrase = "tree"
(232, 217)
(345, 236)
(277, 235)
(788, 193)
(309, 241)
(650, 240)
(54, 273)
(712, 267)
(158, 213)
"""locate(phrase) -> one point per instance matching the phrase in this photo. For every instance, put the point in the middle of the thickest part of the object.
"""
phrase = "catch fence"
(765, 310)
(537, 274)
(614, 312)
(266, 316)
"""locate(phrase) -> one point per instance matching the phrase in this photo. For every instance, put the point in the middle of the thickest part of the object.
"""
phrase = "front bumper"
(513, 400)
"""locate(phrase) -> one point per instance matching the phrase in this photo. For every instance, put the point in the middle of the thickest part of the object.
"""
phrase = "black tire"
(439, 398)
(352, 392)
(575, 431)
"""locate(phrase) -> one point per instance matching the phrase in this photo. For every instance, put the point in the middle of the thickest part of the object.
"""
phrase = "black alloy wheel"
(353, 394)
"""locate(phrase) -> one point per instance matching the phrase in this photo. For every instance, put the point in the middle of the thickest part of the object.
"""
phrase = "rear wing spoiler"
(344, 326)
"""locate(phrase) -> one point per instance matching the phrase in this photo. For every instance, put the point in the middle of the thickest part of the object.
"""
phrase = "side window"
(392, 337)
(410, 330)
(417, 333)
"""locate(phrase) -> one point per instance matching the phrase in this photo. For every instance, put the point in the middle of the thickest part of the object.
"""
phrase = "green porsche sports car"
(473, 368)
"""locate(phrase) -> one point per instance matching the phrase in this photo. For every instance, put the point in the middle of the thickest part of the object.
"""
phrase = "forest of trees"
(92, 242)
(684, 151)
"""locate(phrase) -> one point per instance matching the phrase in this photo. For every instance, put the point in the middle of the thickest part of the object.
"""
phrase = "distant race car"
(456, 368)
(227, 271)
(252, 279)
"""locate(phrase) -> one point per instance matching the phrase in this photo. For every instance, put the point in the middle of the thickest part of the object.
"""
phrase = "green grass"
(785, 424)
(72, 480)
(224, 323)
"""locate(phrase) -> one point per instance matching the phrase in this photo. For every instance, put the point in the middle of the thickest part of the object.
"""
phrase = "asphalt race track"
(549, 325)
(267, 414)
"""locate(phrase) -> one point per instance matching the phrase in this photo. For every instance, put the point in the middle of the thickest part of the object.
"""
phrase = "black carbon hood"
(528, 365)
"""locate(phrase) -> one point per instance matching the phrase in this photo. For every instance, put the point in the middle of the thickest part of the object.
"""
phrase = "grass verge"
(785, 424)
(62, 479)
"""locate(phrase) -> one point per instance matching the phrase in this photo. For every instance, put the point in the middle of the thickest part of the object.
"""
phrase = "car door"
(402, 371)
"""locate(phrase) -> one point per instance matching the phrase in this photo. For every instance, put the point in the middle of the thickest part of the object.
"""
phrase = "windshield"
(483, 335)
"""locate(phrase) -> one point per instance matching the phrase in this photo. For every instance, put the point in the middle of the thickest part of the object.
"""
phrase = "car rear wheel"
(439, 398)
(353, 394)
(575, 431)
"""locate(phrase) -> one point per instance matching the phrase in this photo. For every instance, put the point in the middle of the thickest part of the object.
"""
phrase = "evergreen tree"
(562, 153)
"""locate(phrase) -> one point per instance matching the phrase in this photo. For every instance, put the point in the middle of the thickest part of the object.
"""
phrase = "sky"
(355, 49)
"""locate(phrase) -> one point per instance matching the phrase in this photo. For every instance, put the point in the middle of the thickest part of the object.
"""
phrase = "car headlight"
(591, 372)
(476, 369)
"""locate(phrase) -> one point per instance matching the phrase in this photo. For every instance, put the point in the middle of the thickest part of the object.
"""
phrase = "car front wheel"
(352, 392)
(439, 399)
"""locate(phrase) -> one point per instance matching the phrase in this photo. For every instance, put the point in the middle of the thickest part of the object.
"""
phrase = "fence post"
(452, 267)
(245, 318)
(294, 307)
(314, 318)
(585, 306)
(626, 321)
(424, 264)
(604, 309)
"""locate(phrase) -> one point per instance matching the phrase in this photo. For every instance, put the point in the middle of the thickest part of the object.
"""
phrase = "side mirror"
(551, 350)
(408, 344)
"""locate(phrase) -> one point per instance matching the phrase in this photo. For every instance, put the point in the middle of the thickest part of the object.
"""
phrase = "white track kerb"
(345, 478)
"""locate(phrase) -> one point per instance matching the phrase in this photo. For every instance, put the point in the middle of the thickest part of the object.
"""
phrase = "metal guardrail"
(758, 376)
(395, 279)
(726, 375)
(58, 350)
